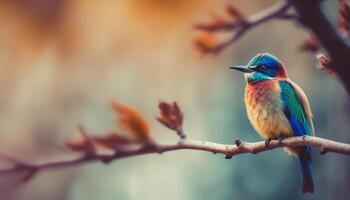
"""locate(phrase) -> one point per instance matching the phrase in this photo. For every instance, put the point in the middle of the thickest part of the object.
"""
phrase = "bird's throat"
(255, 77)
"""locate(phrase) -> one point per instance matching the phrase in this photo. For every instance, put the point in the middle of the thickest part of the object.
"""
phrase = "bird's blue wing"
(296, 108)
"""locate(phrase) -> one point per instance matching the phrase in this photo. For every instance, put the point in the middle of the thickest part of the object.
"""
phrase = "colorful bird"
(278, 108)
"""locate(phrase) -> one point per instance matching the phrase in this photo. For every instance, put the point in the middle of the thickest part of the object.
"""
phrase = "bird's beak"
(243, 68)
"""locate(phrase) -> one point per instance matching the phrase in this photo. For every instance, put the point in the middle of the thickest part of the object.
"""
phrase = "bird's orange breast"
(265, 109)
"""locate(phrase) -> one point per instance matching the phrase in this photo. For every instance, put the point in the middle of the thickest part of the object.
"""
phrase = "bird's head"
(263, 66)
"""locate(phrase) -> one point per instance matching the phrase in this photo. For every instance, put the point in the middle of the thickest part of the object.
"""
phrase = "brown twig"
(229, 151)
(241, 24)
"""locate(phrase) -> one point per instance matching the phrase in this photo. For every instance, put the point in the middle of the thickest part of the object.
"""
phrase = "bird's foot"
(280, 139)
(267, 142)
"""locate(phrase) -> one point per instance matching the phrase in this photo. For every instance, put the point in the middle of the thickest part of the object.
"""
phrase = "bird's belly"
(265, 110)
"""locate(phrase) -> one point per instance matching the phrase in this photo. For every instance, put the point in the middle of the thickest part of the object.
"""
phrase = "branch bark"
(240, 147)
(311, 16)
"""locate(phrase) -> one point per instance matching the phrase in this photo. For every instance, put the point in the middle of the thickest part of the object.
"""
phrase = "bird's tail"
(306, 172)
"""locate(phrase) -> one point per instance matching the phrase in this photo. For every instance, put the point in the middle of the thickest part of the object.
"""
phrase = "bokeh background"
(62, 60)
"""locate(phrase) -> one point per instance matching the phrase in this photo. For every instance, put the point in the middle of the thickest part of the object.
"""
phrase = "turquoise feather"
(296, 113)
(294, 110)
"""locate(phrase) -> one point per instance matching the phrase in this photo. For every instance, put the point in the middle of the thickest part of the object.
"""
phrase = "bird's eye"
(261, 67)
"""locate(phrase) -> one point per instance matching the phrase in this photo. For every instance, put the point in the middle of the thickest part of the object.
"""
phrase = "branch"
(240, 25)
(311, 15)
(239, 147)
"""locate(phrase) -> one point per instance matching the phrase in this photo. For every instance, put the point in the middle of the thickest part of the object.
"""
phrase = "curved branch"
(311, 16)
(239, 147)
(278, 11)
(242, 24)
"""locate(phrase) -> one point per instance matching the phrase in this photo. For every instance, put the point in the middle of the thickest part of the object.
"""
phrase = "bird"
(278, 108)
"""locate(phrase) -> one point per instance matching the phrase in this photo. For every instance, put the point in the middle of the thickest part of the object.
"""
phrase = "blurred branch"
(240, 25)
(312, 16)
(309, 13)
(239, 147)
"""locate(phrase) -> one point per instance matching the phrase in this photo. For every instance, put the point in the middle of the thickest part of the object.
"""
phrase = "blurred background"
(61, 61)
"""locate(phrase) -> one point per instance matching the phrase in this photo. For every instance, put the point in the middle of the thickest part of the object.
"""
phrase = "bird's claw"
(267, 142)
(280, 140)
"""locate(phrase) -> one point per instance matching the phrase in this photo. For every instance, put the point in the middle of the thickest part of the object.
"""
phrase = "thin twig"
(277, 11)
(242, 25)
(229, 151)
